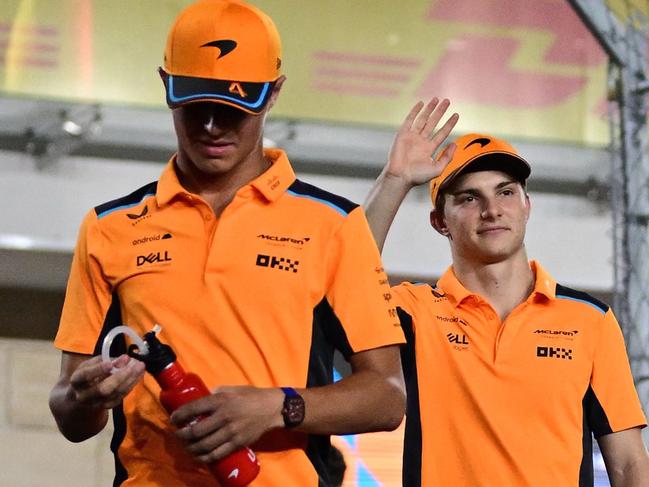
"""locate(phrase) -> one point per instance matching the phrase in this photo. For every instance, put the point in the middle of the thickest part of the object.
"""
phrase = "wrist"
(275, 409)
(396, 182)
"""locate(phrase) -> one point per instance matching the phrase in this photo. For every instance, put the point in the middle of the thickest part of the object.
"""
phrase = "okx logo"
(281, 263)
(153, 258)
(554, 352)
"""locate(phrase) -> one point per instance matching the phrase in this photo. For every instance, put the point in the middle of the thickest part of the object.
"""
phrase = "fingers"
(424, 122)
(223, 450)
(227, 420)
(208, 436)
(215, 445)
(434, 116)
(441, 135)
(90, 372)
(212, 438)
(200, 407)
(93, 384)
(123, 381)
(422, 119)
(412, 115)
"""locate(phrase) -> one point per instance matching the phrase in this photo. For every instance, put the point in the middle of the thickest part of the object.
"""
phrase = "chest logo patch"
(459, 341)
(280, 263)
(153, 258)
(151, 238)
(457, 338)
(554, 352)
(451, 319)
(547, 332)
(135, 216)
(284, 241)
(438, 293)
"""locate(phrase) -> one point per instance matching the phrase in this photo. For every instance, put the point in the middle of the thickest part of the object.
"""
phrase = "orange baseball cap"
(223, 51)
(479, 152)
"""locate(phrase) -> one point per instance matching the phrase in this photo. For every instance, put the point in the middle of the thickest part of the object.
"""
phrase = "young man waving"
(507, 371)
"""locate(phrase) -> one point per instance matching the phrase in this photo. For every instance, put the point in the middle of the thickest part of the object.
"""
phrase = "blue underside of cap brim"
(255, 105)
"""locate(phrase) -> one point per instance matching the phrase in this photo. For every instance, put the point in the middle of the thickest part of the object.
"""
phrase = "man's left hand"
(233, 417)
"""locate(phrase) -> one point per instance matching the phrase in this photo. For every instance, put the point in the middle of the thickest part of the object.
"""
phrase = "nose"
(216, 117)
(490, 209)
(209, 121)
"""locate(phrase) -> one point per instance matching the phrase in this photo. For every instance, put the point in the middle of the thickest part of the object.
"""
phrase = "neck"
(218, 188)
(504, 284)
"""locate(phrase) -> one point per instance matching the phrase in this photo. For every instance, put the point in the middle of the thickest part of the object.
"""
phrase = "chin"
(490, 256)
(494, 256)
(214, 166)
(495, 259)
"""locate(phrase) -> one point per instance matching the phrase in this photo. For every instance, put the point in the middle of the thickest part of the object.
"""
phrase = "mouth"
(492, 230)
(215, 147)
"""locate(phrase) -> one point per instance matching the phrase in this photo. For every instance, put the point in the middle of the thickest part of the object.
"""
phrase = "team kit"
(238, 281)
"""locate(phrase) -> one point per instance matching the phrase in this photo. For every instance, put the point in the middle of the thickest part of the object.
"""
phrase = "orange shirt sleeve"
(612, 402)
(358, 289)
(404, 297)
(88, 295)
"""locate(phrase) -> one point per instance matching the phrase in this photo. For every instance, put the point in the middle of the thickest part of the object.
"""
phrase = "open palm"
(412, 153)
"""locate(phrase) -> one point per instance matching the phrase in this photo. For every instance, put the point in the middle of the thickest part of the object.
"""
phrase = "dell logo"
(152, 258)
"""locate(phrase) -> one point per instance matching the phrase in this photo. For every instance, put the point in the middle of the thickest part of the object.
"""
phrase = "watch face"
(293, 411)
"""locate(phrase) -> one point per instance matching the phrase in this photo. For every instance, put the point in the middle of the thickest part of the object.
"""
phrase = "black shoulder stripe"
(306, 190)
(568, 293)
(125, 201)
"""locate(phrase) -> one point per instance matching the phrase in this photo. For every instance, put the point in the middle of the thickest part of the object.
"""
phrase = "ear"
(438, 223)
(528, 206)
(276, 89)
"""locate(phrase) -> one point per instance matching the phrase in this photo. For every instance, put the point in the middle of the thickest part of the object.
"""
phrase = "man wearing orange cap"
(255, 277)
(507, 372)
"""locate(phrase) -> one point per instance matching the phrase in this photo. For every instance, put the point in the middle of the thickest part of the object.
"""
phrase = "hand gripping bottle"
(179, 387)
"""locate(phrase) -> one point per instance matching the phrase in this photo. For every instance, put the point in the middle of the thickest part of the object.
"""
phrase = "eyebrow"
(475, 192)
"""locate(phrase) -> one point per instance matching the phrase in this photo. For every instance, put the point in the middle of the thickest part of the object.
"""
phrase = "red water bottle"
(179, 387)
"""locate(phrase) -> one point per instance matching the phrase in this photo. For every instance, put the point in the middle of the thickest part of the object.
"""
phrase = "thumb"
(447, 154)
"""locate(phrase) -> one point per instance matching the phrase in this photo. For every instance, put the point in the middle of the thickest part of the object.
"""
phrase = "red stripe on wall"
(356, 74)
(366, 58)
(354, 89)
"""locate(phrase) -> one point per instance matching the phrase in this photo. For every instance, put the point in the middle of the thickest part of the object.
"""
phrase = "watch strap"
(289, 391)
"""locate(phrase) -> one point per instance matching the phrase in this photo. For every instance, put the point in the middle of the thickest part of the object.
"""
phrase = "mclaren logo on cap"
(482, 141)
(226, 46)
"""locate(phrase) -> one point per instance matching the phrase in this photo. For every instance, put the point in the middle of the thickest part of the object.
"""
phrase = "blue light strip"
(238, 101)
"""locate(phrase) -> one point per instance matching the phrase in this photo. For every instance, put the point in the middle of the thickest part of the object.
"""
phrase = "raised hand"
(411, 162)
(412, 155)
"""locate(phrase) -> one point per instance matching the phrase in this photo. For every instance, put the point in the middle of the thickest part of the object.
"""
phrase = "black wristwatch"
(293, 410)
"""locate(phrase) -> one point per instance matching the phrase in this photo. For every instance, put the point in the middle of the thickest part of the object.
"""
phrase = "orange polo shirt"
(510, 403)
(261, 295)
